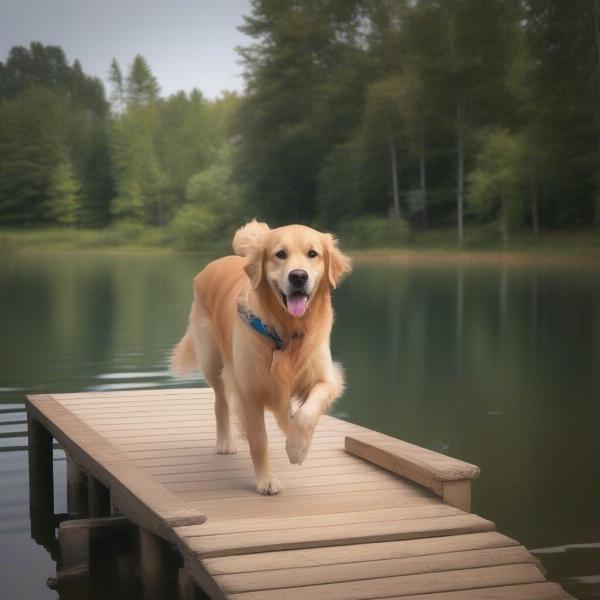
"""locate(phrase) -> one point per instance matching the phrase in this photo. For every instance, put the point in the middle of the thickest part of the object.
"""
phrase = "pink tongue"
(296, 305)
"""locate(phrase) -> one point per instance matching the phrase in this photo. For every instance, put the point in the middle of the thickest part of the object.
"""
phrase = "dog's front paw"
(298, 443)
(269, 486)
(296, 451)
(300, 436)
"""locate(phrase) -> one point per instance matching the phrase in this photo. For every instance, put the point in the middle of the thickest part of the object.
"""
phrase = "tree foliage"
(66, 160)
(499, 186)
(158, 144)
(442, 112)
(47, 67)
(142, 87)
(65, 195)
(341, 95)
(117, 82)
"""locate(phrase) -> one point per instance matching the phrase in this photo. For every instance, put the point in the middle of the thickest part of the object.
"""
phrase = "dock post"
(457, 494)
(74, 544)
(77, 493)
(153, 569)
(41, 470)
(98, 498)
(41, 482)
(188, 588)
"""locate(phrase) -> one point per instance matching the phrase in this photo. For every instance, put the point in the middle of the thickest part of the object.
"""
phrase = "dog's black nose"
(298, 277)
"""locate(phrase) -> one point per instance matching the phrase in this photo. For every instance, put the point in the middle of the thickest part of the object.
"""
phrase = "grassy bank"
(479, 242)
(482, 239)
(482, 246)
(63, 239)
(122, 238)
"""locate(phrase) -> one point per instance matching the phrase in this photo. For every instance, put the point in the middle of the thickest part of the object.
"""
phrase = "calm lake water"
(496, 365)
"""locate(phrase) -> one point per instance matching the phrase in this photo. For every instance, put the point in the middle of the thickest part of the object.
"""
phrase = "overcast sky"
(188, 43)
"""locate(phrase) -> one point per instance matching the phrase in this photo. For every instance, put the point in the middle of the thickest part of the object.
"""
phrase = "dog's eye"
(281, 254)
(312, 254)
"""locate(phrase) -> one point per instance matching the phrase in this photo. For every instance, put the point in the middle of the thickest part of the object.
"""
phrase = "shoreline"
(430, 247)
(392, 256)
(439, 256)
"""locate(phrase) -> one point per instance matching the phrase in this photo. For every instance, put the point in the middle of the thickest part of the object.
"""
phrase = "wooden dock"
(366, 516)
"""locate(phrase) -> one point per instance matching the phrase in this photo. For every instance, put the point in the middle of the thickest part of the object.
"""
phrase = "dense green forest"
(369, 117)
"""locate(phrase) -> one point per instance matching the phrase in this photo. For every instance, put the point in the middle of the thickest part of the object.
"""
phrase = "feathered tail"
(183, 357)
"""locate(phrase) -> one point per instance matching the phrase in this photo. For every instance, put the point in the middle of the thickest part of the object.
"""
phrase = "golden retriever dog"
(259, 332)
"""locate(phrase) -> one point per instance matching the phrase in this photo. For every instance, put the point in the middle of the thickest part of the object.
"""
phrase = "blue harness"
(257, 324)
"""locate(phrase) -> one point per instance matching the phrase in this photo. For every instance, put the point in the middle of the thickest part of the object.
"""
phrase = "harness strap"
(258, 325)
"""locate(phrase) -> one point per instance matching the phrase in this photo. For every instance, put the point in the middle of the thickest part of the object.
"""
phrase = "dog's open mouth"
(295, 303)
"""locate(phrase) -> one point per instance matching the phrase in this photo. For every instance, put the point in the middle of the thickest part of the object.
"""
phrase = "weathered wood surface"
(445, 476)
(366, 516)
(137, 494)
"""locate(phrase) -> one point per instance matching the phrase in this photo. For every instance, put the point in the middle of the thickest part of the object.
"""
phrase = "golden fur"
(297, 384)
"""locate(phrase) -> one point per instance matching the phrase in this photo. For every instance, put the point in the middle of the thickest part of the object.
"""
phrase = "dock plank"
(240, 525)
(335, 555)
(299, 505)
(534, 591)
(332, 535)
(365, 569)
(192, 488)
(404, 585)
(306, 492)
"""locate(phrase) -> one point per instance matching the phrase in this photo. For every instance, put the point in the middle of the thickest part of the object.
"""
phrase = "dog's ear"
(254, 267)
(337, 263)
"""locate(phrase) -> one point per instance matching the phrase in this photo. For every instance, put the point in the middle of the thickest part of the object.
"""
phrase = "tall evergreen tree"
(117, 94)
(142, 87)
(47, 67)
(30, 134)
(51, 112)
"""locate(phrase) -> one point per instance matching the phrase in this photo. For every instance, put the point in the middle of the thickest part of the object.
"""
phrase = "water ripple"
(134, 375)
(566, 548)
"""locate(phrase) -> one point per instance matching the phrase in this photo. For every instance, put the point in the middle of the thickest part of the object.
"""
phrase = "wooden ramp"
(366, 516)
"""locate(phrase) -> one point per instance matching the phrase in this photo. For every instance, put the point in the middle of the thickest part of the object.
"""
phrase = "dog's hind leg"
(211, 364)
(225, 443)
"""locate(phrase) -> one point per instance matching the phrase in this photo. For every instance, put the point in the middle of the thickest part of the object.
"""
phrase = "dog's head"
(296, 262)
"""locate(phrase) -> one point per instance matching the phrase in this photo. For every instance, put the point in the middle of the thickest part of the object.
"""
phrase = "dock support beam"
(153, 564)
(98, 498)
(77, 492)
(75, 539)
